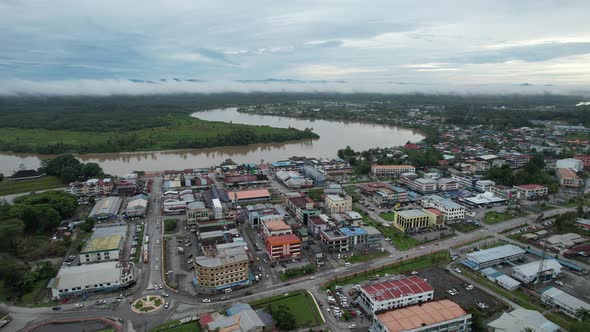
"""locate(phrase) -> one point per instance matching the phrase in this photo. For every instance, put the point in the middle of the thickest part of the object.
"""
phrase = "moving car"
(78, 305)
(206, 300)
(56, 308)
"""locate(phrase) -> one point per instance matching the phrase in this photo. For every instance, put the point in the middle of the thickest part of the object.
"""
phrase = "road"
(185, 304)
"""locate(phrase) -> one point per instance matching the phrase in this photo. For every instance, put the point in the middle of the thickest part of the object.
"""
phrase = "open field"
(173, 326)
(366, 257)
(496, 217)
(8, 187)
(387, 216)
(299, 303)
(463, 227)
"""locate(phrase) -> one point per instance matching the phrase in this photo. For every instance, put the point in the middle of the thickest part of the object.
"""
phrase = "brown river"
(334, 135)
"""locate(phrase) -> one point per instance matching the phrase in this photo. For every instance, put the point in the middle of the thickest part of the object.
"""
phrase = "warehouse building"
(105, 244)
(91, 278)
(528, 273)
(520, 319)
(226, 269)
(137, 206)
(435, 316)
(106, 208)
(387, 295)
(563, 301)
(493, 256)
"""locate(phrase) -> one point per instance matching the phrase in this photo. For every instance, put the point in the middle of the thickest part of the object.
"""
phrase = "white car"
(78, 305)
(157, 241)
(157, 268)
(206, 300)
(457, 270)
(312, 277)
(557, 282)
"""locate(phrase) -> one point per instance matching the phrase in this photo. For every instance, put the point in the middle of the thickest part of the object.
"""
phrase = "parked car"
(56, 308)
(78, 305)
(557, 282)
(206, 300)
(167, 305)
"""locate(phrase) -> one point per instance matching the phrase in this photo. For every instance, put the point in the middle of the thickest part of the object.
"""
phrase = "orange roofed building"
(443, 315)
(283, 247)
(250, 196)
(275, 228)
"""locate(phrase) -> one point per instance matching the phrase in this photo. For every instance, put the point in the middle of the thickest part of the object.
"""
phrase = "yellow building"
(409, 221)
(338, 204)
(227, 269)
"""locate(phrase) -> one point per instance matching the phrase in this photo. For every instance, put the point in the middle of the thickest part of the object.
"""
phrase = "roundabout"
(148, 304)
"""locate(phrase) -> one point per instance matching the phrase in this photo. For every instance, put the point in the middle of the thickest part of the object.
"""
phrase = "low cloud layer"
(175, 86)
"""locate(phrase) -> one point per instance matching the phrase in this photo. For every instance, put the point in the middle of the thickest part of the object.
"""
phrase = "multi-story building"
(195, 212)
(576, 165)
(373, 237)
(338, 204)
(585, 160)
(450, 209)
(386, 295)
(357, 236)
(391, 170)
(318, 177)
(410, 221)
(283, 247)
(464, 181)
(434, 316)
(227, 268)
(275, 228)
(422, 185)
(446, 184)
(390, 195)
(316, 225)
(531, 191)
(265, 212)
(484, 185)
(503, 191)
(334, 240)
(564, 302)
(568, 178)
(301, 206)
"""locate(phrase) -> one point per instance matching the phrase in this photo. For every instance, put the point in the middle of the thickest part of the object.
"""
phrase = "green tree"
(284, 318)
(91, 170)
(88, 225)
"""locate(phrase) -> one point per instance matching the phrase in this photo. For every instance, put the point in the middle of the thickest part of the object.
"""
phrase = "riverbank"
(185, 133)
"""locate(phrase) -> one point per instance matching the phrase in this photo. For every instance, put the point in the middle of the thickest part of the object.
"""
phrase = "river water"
(334, 135)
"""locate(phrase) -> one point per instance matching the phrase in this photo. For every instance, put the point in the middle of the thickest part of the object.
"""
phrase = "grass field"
(366, 257)
(173, 326)
(441, 257)
(463, 227)
(184, 133)
(387, 216)
(299, 303)
(496, 217)
(8, 187)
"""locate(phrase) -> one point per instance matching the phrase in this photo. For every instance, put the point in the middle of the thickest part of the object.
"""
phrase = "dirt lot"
(442, 281)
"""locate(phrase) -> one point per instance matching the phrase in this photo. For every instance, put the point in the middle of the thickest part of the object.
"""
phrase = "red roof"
(282, 240)
(248, 194)
(434, 211)
(205, 319)
(530, 186)
(411, 146)
(388, 290)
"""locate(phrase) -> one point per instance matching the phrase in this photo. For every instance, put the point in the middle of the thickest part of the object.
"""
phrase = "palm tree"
(583, 314)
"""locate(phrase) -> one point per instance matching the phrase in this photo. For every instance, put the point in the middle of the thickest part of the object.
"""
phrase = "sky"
(97, 47)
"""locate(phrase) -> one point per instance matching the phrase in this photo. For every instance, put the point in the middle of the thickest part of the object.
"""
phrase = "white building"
(531, 191)
(566, 303)
(105, 244)
(528, 273)
(89, 278)
(571, 163)
(520, 319)
(450, 209)
(338, 204)
(493, 256)
(484, 185)
(387, 295)
(391, 170)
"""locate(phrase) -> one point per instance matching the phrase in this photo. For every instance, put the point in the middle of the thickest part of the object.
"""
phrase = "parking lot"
(178, 260)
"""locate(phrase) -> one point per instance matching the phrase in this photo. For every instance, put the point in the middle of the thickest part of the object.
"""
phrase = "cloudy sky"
(57, 45)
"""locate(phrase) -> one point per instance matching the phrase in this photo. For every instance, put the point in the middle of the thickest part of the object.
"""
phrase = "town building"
(249, 196)
(196, 212)
(283, 247)
(91, 278)
(531, 272)
(137, 206)
(105, 244)
(450, 209)
(522, 319)
(265, 212)
(245, 180)
(421, 185)
(500, 278)
(484, 185)
(301, 206)
(390, 195)
(585, 160)
(275, 228)
(106, 208)
(318, 177)
(410, 221)
(493, 256)
(240, 317)
(464, 181)
(568, 178)
(338, 204)
(293, 179)
(316, 225)
(574, 164)
(531, 191)
(434, 316)
(391, 170)
(446, 184)
(563, 301)
(380, 296)
(503, 191)
(334, 241)
(373, 237)
(226, 268)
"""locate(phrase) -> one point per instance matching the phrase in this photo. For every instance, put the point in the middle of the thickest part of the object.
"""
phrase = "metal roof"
(531, 269)
(87, 274)
(520, 319)
(564, 299)
(392, 289)
(495, 253)
(420, 316)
